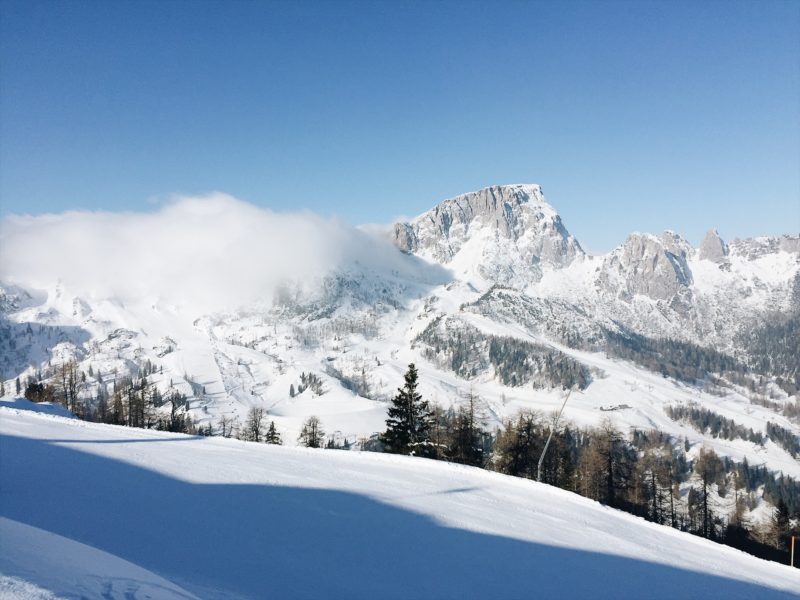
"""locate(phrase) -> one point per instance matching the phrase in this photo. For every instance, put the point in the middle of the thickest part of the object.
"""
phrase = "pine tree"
(18, 386)
(273, 437)
(779, 526)
(409, 423)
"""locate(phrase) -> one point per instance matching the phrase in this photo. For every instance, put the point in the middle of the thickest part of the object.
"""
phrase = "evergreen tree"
(779, 526)
(18, 386)
(273, 437)
(519, 445)
(410, 419)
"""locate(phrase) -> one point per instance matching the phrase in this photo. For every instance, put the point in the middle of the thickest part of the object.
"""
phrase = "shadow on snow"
(268, 541)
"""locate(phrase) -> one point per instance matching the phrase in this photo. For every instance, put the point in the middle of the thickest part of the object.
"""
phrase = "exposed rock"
(790, 244)
(512, 230)
(653, 266)
(713, 248)
(754, 248)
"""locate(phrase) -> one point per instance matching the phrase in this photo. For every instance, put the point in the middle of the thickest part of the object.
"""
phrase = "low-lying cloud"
(211, 252)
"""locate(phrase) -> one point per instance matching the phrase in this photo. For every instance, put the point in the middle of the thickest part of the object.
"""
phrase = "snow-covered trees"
(310, 381)
(466, 351)
(409, 423)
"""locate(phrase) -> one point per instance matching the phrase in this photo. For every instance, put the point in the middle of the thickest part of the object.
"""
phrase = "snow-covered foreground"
(99, 511)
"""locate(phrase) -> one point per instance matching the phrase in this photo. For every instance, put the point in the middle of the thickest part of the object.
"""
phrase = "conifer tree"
(409, 423)
(778, 527)
(273, 437)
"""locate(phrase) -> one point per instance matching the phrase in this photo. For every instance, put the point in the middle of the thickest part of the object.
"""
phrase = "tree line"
(650, 475)
(467, 352)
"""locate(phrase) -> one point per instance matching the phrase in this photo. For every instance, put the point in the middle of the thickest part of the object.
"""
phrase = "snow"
(12, 588)
(41, 407)
(210, 352)
(88, 507)
(64, 567)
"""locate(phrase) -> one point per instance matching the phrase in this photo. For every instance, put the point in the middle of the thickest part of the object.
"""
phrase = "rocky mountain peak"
(713, 248)
(653, 266)
(490, 223)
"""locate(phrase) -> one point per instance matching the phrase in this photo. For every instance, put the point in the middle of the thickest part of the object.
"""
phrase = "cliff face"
(648, 265)
(505, 231)
(713, 248)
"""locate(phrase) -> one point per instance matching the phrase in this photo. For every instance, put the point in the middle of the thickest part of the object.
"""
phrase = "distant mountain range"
(493, 296)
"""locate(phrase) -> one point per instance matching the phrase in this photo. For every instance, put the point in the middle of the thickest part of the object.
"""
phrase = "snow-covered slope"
(96, 510)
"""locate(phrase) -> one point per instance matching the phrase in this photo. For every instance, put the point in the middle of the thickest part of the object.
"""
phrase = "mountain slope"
(226, 519)
(653, 324)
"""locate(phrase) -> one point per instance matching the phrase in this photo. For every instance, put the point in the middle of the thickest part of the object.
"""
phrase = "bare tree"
(312, 435)
(708, 467)
(225, 425)
(254, 426)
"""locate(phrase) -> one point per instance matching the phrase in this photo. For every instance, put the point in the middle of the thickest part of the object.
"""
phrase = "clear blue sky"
(632, 115)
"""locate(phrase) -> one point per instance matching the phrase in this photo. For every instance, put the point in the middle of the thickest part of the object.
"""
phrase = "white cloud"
(209, 252)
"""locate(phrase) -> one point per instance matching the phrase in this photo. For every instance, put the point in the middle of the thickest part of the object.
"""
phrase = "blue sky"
(632, 115)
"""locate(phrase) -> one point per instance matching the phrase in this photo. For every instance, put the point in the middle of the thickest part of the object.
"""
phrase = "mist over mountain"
(201, 253)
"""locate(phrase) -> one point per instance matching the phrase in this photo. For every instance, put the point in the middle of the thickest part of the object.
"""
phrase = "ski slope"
(90, 510)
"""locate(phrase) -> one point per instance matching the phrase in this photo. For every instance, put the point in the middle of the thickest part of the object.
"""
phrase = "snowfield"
(90, 510)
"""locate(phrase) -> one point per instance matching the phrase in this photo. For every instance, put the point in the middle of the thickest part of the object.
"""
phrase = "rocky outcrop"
(755, 248)
(493, 221)
(713, 248)
(652, 266)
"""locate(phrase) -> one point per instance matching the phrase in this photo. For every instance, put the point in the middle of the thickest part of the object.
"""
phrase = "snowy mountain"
(654, 324)
(145, 514)
(505, 234)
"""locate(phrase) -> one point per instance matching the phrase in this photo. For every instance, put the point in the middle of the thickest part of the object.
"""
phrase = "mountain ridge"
(633, 319)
